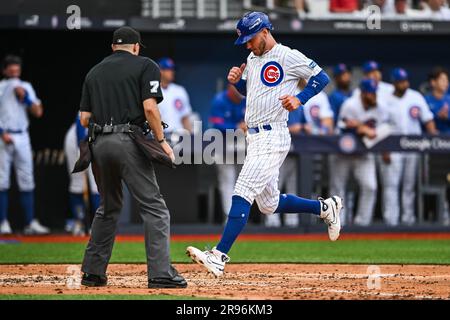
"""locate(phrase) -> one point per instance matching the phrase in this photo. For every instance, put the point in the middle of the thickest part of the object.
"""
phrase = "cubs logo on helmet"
(272, 74)
(414, 112)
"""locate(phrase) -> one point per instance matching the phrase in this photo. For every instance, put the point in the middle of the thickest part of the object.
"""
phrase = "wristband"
(26, 100)
(162, 140)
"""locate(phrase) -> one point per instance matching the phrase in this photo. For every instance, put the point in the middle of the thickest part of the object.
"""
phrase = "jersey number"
(155, 86)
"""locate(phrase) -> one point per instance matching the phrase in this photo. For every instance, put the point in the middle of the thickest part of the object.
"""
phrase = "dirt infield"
(246, 281)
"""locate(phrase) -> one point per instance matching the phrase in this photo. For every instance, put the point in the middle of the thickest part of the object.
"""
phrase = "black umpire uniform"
(113, 92)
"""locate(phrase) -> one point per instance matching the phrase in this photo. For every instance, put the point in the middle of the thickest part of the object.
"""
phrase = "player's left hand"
(20, 93)
(290, 103)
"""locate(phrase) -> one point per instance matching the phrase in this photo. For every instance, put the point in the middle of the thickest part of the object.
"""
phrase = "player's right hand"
(235, 74)
(7, 138)
(168, 150)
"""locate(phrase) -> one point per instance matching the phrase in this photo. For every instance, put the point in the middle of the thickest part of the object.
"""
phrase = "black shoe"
(176, 282)
(92, 280)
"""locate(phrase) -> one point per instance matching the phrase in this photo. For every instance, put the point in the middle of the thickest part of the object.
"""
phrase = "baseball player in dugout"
(120, 95)
(17, 100)
(409, 112)
(175, 108)
(269, 81)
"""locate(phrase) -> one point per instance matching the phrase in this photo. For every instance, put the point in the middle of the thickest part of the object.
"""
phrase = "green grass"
(93, 297)
(346, 251)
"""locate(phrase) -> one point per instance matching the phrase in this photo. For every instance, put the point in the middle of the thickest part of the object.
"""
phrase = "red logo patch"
(178, 104)
(414, 112)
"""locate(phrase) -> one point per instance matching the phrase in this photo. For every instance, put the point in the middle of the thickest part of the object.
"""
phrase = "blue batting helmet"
(250, 24)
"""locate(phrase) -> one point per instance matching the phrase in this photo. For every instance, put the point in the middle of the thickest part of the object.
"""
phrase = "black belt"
(117, 128)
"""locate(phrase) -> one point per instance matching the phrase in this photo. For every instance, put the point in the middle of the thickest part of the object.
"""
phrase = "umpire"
(120, 94)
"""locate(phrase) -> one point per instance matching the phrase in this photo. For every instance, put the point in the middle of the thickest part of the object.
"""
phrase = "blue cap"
(370, 66)
(250, 24)
(166, 63)
(399, 74)
(340, 69)
(368, 86)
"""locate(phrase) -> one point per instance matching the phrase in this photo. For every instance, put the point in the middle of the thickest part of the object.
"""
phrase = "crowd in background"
(413, 9)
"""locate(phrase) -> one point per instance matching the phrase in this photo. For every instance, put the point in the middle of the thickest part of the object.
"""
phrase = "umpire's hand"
(235, 74)
(168, 150)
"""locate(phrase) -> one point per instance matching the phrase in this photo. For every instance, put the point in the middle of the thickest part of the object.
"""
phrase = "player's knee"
(267, 208)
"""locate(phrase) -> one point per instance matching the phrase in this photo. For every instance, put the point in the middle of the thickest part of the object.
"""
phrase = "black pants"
(116, 158)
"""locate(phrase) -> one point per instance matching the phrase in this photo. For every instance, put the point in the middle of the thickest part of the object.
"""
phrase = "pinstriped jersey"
(270, 76)
(13, 113)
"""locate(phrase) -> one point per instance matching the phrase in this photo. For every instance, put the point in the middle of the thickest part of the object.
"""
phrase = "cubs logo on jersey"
(314, 111)
(414, 112)
(272, 74)
(178, 104)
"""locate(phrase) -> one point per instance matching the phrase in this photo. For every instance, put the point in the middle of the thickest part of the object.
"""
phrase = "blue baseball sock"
(3, 205)
(77, 206)
(290, 203)
(95, 200)
(27, 203)
(237, 219)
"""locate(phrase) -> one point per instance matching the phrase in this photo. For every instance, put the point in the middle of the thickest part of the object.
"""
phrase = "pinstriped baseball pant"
(258, 179)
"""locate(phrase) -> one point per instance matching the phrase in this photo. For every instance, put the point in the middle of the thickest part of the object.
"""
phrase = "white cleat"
(213, 260)
(330, 213)
(5, 228)
(36, 228)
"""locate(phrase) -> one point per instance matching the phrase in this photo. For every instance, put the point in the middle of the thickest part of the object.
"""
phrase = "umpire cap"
(250, 24)
(127, 35)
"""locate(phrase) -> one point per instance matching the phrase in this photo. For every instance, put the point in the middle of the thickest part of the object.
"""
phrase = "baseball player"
(359, 115)
(372, 70)
(343, 80)
(17, 99)
(74, 135)
(409, 111)
(269, 81)
(227, 112)
(175, 108)
(439, 99)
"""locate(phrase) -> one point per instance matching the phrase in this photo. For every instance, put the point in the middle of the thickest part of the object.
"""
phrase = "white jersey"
(175, 106)
(408, 112)
(13, 114)
(317, 109)
(270, 76)
(353, 109)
